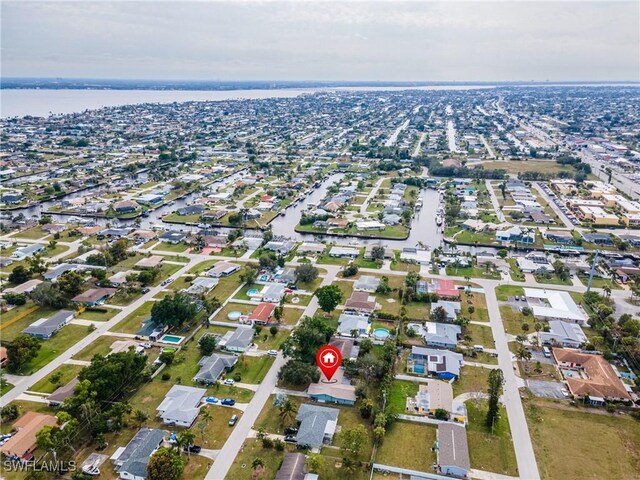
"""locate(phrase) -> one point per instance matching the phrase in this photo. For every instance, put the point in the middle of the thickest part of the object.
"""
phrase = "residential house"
(516, 234)
(28, 251)
(280, 247)
(311, 248)
(26, 287)
(344, 252)
(47, 327)
(592, 376)
(201, 285)
(237, 340)
(212, 366)
(443, 335)
(349, 323)
(62, 393)
(368, 252)
(444, 288)
(131, 461)
(339, 390)
(273, 292)
(362, 303)
(366, 283)
(125, 206)
(286, 275)
(262, 314)
(554, 305)
(94, 296)
(292, 467)
(452, 309)
(153, 261)
(317, 425)
(453, 451)
(598, 238)
(434, 395)
(443, 364)
(23, 443)
(4, 357)
(563, 334)
(181, 405)
(223, 269)
(172, 237)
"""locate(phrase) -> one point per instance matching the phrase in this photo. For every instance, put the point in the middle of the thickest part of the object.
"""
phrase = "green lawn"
(11, 327)
(97, 315)
(516, 274)
(480, 335)
(34, 233)
(133, 322)
(599, 282)
(51, 348)
(408, 445)
(513, 321)
(5, 387)
(503, 292)
(473, 272)
(241, 467)
(490, 451)
(400, 390)
(243, 308)
(252, 369)
(171, 247)
(67, 372)
(266, 341)
(327, 259)
(480, 313)
(472, 379)
(552, 280)
(99, 346)
(605, 446)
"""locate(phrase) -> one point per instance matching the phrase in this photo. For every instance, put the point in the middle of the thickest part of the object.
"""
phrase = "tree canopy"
(329, 297)
(173, 310)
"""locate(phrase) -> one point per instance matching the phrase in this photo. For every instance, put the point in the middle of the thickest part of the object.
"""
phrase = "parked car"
(233, 420)
(565, 392)
(228, 401)
(272, 353)
(290, 430)
(146, 290)
(192, 449)
(229, 381)
(146, 345)
(290, 439)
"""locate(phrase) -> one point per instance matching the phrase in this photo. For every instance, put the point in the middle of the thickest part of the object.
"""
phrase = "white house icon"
(328, 358)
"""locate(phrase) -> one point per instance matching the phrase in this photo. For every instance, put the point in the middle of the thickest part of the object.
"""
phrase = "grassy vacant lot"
(34, 233)
(473, 272)
(552, 280)
(527, 166)
(491, 451)
(327, 259)
(133, 322)
(50, 349)
(266, 341)
(170, 247)
(480, 335)
(99, 346)
(269, 418)
(251, 369)
(503, 292)
(241, 467)
(599, 282)
(472, 379)
(513, 320)
(67, 372)
(480, 314)
(408, 445)
(400, 390)
(606, 446)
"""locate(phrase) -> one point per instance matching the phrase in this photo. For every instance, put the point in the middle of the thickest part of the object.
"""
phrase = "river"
(44, 102)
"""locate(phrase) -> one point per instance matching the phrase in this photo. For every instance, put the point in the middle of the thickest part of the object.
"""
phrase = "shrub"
(166, 376)
(267, 442)
(237, 377)
(278, 445)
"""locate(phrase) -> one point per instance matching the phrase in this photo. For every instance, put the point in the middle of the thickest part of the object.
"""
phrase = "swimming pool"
(264, 278)
(234, 315)
(418, 368)
(252, 292)
(171, 339)
(381, 333)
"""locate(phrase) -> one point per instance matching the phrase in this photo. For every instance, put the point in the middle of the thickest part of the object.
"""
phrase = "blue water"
(381, 333)
(418, 368)
(252, 291)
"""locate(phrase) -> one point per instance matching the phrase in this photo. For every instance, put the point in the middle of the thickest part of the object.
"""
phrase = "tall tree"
(165, 464)
(496, 379)
(21, 350)
(329, 297)
(173, 310)
(288, 410)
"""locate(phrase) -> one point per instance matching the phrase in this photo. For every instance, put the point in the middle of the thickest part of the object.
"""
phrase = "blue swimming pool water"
(252, 291)
(381, 333)
(234, 315)
(172, 339)
(418, 368)
(264, 278)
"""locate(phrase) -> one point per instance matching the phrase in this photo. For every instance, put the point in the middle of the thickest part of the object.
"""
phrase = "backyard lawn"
(400, 390)
(490, 451)
(251, 369)
(472, 379)
(513, 320)
(605, 446)
(480, 335)
(51, 348)
(99, 346)
(408, 445)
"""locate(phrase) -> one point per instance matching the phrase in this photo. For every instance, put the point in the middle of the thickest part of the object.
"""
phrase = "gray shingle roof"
(313, 423)
(135, 457)
(50, 325)
(211, 367)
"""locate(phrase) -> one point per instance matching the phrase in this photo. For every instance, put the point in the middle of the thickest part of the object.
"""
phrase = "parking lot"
(546, 389)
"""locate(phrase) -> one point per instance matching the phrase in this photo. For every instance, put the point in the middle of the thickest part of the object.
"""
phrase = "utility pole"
(593, 269)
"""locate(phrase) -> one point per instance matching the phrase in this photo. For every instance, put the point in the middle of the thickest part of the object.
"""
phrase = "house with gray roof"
(180, 406)
(28, 251)
(46, 327)
(131, 461)
(563, 334)
(348, 323)
(366, 283)
(273, 292)
(451, 308)
(443, 335)
(317, 425)
(54, 273)
(443, 364)
(237, 340)
(292, 467)
(212, 366)
(453, 450)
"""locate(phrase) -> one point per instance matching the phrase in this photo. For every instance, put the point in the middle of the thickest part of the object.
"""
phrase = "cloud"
(506, 40)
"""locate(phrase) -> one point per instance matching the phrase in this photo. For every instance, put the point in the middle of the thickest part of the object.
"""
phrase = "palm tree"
(257, 464)
(288, 410)
(523, 354)
(185, 439)
(607, 290)
(205, 418)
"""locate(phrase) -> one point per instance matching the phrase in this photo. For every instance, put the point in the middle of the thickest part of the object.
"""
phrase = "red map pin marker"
(328, 359)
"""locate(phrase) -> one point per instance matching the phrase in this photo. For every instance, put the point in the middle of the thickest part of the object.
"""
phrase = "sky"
(306, 40)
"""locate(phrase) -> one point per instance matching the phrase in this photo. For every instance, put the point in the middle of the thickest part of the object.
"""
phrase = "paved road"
(240, 433)
(554, 207)
(25, 382)
(495, 202)
(487, 146)
(372, 193)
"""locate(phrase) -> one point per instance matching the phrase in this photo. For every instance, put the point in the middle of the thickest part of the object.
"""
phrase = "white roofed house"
(366, 283)
(349, 323)
(563, 334)
(273, 292)
(554, 305)
(180, 406)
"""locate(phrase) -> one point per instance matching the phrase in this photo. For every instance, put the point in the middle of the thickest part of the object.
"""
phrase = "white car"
(146, 345)
(229, 381)
(272, 353)
(565, 392)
